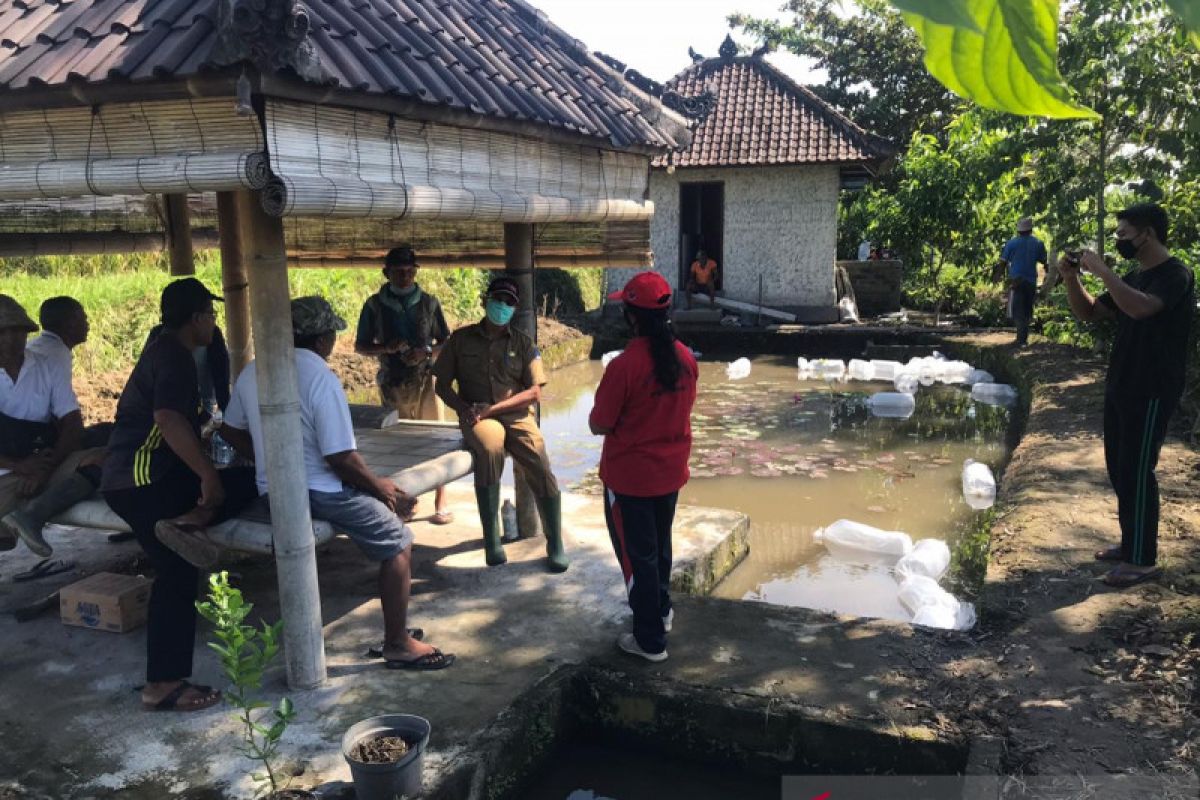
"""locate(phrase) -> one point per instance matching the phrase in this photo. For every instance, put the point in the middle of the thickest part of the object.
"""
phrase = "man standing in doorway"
(703, 278)
(405, 328)
(1020, 256)
(500, 378)
(1153, 306)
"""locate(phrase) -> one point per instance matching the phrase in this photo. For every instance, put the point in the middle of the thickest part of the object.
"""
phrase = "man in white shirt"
(342, 489)
(64, 327)
(42, 468)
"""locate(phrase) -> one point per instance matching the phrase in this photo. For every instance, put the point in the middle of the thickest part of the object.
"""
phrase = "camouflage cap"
(312, 316)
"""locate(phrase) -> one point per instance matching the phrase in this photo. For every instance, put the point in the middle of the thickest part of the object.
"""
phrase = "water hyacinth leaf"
(1012, 65)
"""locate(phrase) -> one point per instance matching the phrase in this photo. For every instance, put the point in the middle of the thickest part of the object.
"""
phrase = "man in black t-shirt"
(1153, 306)
(157, 470)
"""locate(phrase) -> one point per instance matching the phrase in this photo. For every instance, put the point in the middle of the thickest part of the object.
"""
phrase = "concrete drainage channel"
(547, 743)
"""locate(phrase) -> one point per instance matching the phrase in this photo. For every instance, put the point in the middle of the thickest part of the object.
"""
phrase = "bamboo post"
(279, 405)
(179, 234)
(518, 260)
(235, 285)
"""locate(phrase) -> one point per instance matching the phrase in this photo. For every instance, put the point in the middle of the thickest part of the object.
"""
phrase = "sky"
(653, 36)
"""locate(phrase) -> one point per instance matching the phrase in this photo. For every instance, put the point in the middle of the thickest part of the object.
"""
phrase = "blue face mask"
(499, 313)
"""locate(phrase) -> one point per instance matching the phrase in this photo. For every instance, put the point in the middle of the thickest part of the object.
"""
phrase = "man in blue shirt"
(1021, 256)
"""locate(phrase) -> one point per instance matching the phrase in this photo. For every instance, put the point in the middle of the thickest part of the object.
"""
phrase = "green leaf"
(1189, 12)
(1012, 66)
(942, 12)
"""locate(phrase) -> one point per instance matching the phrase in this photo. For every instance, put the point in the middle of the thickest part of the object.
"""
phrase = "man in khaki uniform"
(499, 378)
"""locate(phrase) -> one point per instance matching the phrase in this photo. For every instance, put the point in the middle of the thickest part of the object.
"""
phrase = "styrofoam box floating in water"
(995, 394)
(607, 358)
(856, 543)
(886, 370)
(933, 606)
(929, 557)
(905, 382)
(892, 405)
(804, 369)
(738, 369)
(859, 370)
(978, 485)
(829, 369)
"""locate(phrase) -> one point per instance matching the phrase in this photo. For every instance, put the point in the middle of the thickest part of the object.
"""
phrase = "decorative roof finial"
(729, 48)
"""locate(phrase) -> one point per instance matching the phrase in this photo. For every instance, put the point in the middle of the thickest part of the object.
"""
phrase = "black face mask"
(1127, 248)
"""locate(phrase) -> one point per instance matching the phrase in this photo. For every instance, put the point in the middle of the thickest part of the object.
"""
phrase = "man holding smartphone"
(1152, 305)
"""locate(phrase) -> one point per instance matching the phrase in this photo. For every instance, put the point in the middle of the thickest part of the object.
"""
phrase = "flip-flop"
(44, 569)
(442, 518)
(1110, 554)
(428, 662)
(413, 633)
(1120, 579)
(188, 541)
(171, 701)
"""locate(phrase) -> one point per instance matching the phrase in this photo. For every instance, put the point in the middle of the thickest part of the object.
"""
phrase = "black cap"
(184, 297)
(504, 285)
(402, 256)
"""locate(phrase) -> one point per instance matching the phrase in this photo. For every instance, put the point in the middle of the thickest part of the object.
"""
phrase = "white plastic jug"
(859, 370)
(738, 369)
(905, 382)
(892, 405)
(608, 357)
(995, 394)
(929, 557)
(804, 369)
(978, 485)
(856, 543)
(886, 370)
(829, 369)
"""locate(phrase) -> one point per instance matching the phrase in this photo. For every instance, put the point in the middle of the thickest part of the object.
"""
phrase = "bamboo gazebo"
(305, 120)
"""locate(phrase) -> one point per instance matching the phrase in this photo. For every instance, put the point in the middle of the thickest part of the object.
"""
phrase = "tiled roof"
(497, 58)
(762, 117)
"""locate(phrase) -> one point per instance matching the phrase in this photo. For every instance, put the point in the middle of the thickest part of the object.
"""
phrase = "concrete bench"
(418, 457)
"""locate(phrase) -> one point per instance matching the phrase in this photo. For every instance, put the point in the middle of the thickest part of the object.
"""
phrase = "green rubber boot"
(28, 521)
(488, 499)
(551, 511)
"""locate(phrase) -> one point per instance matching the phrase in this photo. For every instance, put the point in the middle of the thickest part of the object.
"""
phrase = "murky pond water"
(796, 456)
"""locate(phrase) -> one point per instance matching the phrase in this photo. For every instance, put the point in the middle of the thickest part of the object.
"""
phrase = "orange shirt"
(704, 274)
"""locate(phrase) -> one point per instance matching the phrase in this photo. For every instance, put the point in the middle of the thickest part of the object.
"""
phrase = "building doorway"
(701, 227)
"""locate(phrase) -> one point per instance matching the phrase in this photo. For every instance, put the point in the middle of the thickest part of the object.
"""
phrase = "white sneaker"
(629, 644)
(668, 619)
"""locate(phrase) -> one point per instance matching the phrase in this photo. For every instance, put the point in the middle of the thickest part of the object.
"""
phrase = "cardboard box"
(106, 601)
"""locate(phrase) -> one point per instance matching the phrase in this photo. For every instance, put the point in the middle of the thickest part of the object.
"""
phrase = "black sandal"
(428, 662)
(1123, 579)
(171, 702)
(413, 633)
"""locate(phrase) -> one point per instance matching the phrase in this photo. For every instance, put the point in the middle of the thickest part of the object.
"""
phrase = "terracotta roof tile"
(762, 117)
(498, 58)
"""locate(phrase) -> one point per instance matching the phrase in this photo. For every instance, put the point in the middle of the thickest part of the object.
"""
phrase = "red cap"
(645, 290)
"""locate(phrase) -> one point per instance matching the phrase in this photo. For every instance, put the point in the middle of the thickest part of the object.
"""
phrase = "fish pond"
(796, 456)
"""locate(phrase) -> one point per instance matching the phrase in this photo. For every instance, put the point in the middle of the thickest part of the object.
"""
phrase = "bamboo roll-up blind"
(130, 148)
(334, 162)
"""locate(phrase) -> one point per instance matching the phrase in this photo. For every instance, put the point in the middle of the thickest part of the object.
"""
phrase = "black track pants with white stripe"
(1134, 429)
(640, 529)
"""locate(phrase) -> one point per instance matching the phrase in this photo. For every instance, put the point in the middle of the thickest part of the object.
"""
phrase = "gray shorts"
(378, 532)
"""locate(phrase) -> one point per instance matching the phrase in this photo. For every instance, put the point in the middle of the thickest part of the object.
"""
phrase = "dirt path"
(1079, 678)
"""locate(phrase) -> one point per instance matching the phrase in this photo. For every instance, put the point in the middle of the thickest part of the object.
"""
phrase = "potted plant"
(386, 755)
(246, 653)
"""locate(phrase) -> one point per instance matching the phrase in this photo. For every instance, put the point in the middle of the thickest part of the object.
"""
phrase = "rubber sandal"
(426, 663)
(442, 518)
(413, 633)
(171, 701)
(44, 569)
(1110, 554)
(1119, 579)
(188, 541)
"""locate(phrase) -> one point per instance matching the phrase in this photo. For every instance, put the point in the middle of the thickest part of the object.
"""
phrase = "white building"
(758, 187)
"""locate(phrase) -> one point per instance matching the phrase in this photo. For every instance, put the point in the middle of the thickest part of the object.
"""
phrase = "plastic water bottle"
(804, 369)
(508, 521)
(892, 405)
(738, 369)
(995, 394)
(978, 485)
(954, 372)
(979, 376)
(905, 382)
(860, 370)
(886, 370)
(829, 369)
